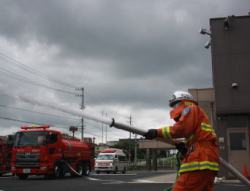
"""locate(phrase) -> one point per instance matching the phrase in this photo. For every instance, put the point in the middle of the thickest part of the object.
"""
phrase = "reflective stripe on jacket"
(191, 166)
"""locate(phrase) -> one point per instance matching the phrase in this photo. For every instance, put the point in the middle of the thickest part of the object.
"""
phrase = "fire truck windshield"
(30, 138)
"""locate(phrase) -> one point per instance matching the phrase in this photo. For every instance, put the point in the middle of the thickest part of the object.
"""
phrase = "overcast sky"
(129, 55)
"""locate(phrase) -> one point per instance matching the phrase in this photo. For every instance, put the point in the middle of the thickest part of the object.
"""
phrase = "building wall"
(231, 65)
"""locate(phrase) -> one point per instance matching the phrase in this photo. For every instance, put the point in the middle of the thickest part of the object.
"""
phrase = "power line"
(90, 132)
(29, 81)
(32, 111)
(87, 121)
(18, 120)
(38, 123)
(43, 113)
(35, 123)
(33, 71)
(4, 106)
(90, 122)
(82, 108)
(97, 127)
(115, 132)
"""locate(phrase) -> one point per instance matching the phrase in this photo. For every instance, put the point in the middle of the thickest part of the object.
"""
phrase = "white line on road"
(144, 181)
(236, 185)
(115, 182)
(92, 178)
(112, 181)
(115, 174)
(101, 180)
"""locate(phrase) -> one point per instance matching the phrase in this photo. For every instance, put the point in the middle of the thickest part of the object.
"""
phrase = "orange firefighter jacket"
(202, 149)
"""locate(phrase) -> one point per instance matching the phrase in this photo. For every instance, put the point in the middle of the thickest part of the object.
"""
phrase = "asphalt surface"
(140, 181)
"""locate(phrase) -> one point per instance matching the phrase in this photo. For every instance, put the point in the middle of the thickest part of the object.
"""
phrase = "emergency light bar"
(35, 127)
(108, 151)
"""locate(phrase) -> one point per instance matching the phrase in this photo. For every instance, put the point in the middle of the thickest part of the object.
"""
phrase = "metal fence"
(162, 163)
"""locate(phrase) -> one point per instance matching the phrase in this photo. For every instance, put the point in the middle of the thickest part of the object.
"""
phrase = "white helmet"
(179, 96)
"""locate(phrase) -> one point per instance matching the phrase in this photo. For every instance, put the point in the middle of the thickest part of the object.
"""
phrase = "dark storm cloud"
(140, 37)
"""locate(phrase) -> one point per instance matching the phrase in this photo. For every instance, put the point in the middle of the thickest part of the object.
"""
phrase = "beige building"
(205, 98)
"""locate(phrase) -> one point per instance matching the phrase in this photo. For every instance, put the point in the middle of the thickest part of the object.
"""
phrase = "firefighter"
(200, 156)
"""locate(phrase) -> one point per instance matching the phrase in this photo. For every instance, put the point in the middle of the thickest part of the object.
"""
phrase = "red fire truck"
(39, 150)
(5, 154)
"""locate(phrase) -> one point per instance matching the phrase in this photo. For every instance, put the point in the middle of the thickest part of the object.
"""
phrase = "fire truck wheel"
(115, 171)
(58, 171)
(22, 176)
(79, 169)
(86, 169)
(124, 170)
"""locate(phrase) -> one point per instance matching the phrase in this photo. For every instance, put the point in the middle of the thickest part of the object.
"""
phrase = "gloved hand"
(151, 134)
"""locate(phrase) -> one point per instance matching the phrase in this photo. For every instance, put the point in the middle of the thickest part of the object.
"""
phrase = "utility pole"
(135, 149)
(135, 143)
(135, 158)
(106, 126)
(129, 145)
(82, 108)
(104, 114)
(102, 127)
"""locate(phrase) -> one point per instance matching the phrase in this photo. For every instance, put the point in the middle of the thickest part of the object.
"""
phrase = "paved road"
(142, 181)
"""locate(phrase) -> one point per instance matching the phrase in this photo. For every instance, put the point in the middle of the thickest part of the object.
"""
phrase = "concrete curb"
(164, 178)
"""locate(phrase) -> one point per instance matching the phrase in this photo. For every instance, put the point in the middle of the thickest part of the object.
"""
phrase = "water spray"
(79, 113)
(63, 109)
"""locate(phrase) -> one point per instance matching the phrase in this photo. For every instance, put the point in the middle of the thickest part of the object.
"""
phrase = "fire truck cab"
(5, 153)
(111, 160)
(39, 150)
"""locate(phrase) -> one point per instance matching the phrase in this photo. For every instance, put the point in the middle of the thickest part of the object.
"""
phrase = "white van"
(111, 160)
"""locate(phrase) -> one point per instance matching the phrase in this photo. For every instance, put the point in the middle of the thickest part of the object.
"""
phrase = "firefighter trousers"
(201, 180)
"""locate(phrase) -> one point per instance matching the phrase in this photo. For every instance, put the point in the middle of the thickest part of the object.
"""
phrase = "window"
(122, 158)
(105, 157)
(52, 138)
(32, 138)
(237, 141)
